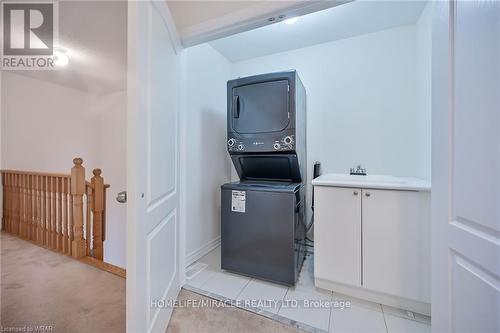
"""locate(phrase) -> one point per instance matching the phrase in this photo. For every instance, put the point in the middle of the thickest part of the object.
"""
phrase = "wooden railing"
(62, 212)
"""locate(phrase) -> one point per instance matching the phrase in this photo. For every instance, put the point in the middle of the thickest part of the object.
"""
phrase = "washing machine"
(263, 214)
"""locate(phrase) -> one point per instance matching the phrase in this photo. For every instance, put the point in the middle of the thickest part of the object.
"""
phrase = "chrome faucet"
(358, 171)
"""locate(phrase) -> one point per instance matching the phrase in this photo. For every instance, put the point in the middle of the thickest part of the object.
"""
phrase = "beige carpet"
(41, 287)
(220, 319)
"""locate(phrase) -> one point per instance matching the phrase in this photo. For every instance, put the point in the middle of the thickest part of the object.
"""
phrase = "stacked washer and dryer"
(263, 214)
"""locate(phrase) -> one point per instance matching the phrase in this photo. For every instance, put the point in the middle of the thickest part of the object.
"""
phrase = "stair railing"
(62, 212)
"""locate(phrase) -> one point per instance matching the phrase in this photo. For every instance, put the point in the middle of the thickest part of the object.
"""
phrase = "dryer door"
(261, 107)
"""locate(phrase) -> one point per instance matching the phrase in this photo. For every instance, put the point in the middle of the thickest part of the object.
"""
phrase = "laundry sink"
(379, 179)
(372, 181)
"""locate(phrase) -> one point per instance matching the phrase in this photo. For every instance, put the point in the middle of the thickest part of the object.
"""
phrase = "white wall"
(47, 130)
(424, 91)
(111, 156)
(46, 125)
(206, 164)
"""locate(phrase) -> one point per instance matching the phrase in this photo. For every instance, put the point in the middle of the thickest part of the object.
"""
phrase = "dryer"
(266, 126)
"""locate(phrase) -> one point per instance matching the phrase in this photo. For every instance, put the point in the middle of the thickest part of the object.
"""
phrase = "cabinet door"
(394, 232)
(337, 234)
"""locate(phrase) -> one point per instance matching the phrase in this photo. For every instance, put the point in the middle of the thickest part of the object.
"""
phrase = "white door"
(466, 167)
(153, 255)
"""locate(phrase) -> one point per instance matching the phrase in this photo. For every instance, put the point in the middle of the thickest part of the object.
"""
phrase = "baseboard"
(373, 296)
(202, 251)
(110, 268)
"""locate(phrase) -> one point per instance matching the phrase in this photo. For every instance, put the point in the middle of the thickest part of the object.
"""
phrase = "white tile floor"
(319, 310)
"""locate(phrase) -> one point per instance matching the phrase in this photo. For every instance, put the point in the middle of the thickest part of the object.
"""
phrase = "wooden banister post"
(77, 191)
(4, 198)
(97, 211)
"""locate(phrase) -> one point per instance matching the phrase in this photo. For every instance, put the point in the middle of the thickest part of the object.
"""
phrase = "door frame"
(440, 168)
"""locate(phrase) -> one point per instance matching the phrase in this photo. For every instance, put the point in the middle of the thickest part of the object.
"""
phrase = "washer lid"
(263, 186)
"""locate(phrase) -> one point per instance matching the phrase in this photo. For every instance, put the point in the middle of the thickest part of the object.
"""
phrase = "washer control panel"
(235, 145)
(283, 143)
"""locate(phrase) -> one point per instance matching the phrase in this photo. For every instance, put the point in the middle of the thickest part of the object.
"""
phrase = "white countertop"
(372, 181)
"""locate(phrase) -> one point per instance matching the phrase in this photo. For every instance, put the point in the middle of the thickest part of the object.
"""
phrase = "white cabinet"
(395, 241)
(373, 240)
(339, 233)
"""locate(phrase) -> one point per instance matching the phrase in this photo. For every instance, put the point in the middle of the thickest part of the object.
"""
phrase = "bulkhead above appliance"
(266, 126)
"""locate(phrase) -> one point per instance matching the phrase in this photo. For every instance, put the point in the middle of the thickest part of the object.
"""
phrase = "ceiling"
(344, 21)
(190, 13)
(94, 36)
(203, 21)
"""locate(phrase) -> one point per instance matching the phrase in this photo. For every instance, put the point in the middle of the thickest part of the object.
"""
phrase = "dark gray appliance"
(262, 215)
(266, 126)
(262, 231)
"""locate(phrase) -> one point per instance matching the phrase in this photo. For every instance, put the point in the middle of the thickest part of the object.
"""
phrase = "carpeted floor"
(43, 288)
(213, 319)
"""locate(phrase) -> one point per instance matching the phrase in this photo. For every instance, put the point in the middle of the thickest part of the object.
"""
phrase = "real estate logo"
(29, 34)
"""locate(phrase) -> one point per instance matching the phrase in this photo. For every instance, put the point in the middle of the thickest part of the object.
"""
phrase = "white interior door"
(153, 227)
(465, 167)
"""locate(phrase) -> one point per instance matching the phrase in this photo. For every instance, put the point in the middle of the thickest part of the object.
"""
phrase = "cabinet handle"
(368, 194)
(355, 192)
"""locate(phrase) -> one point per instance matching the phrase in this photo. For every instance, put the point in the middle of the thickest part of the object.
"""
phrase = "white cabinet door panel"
(337, 233)
(394, 253)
